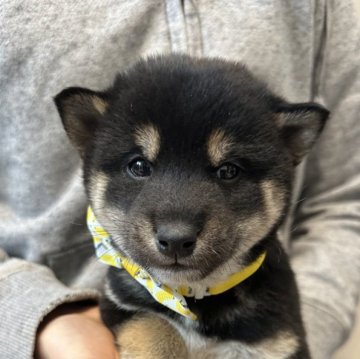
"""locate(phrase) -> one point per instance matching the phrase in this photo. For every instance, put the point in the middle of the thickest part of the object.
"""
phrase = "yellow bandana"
(169, 297)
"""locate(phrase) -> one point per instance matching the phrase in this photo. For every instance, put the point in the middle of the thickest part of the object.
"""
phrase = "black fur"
(186, 100)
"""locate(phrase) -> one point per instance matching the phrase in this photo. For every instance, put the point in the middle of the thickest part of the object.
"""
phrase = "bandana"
(173, 298)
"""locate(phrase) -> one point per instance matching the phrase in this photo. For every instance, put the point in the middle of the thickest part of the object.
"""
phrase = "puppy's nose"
(176, 239)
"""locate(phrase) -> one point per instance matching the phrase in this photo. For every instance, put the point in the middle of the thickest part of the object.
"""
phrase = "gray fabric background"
(306, 50)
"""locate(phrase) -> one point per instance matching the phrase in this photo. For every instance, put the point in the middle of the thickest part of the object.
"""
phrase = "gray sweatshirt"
(305, 49)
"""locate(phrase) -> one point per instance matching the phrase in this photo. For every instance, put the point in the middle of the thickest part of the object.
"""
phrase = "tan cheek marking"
(99, 104)
(254, 228)
(148, 138)
(98, 185)
(148, 336)
(145, 230)
(273, 199)
(258, 225)
(218, 146)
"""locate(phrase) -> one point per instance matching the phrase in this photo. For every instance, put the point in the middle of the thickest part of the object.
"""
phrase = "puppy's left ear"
(81, 111)
(300, 125)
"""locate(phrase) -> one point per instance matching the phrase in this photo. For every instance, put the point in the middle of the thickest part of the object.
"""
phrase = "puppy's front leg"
(143, 335)
(147, 336)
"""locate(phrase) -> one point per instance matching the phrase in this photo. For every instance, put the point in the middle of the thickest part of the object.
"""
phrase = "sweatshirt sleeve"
(28, 292)
(46, 46)
(326, 236)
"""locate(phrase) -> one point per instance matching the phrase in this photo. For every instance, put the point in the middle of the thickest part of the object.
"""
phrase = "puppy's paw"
(150, 337)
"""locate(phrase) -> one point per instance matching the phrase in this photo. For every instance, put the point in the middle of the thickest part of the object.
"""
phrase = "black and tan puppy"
(188, 164)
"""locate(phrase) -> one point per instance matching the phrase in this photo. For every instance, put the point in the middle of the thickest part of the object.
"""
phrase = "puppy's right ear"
(300, 125)
(81, 110)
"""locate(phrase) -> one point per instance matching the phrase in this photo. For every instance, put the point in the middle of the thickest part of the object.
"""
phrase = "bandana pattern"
(173, 298)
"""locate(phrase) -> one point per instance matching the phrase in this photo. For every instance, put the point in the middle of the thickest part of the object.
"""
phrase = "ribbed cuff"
(323, 331)
(26, 297)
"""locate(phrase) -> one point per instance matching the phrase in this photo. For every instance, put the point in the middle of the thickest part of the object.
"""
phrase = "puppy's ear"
(300, 126)
(81, 110)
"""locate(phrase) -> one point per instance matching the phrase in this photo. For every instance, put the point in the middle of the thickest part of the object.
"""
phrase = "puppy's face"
(188, 163)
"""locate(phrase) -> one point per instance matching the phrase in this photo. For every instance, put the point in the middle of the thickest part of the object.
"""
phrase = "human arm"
(28, 293)
(46, 46)
(77, 329)
(326, 236)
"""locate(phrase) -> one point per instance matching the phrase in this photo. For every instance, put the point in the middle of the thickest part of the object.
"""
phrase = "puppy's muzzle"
(176, 240)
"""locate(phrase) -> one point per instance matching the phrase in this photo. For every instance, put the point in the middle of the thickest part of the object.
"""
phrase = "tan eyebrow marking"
(148, 138)
(218, 146)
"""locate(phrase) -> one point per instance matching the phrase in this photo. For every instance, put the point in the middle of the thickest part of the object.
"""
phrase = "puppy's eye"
(139, 168)
(227, 171)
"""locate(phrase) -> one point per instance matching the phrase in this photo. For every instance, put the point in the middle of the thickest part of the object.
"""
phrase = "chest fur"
(281, 346)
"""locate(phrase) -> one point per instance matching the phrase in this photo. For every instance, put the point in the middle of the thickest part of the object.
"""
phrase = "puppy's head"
(188, 163)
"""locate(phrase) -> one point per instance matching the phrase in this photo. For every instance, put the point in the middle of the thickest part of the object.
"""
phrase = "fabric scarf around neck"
(172, 298)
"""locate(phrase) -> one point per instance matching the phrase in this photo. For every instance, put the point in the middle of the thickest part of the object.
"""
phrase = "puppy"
(188, 167)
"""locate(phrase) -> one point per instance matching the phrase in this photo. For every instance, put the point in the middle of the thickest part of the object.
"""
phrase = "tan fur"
(99, 104)
(258, 225)
(273, 199)
(218, 146)
(150, 337)
(148, 138)
(86, 102)
(98, 184)
(281, 346)
(146, 231)
(255, 228)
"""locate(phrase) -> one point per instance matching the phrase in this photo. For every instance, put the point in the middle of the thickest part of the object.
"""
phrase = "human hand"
(75, 331)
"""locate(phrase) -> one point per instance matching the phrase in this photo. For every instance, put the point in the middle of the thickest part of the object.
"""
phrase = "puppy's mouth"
(177, 271)
(175, 265)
